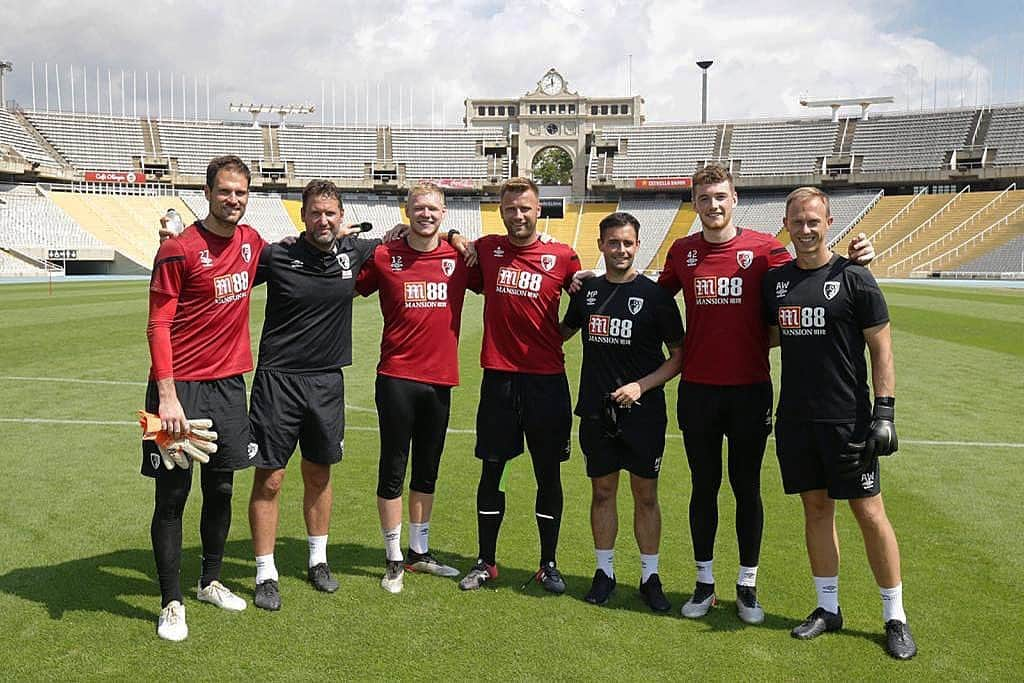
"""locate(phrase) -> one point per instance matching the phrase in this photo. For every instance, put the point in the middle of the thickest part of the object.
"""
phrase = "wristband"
(885, 408)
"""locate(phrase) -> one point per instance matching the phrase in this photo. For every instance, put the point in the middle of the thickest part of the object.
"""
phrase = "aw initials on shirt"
(426, 291)
(228, 285)
(519, 279)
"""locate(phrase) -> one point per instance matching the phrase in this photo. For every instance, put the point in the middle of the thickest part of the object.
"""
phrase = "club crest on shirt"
(744, 257)
(591, 297)
(204, 258)
(246, 252)
(547, 261)
(634, 303)
(781, 289)
(343, 261)
(691, 258)
(396, 263)
(252, 449)
(154, 460)
(447, 266)
(831, 288)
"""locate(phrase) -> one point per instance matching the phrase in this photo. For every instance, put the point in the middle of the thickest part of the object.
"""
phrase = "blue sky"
(417, 60)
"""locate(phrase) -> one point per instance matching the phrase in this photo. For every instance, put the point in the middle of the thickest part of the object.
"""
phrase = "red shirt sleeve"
(668, 279)
(367, 281)
(778, 255)
(571, 269)
(164, 288)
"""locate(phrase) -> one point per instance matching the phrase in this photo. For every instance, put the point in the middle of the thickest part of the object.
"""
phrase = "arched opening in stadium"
(552, 166)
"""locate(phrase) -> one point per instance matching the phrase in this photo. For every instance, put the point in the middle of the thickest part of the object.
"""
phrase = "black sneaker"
(549, 577)
(817, 622)
(479, 575)
(600, 589)
(650, 591)
(267, 596)
(898, 641)
(320, 576)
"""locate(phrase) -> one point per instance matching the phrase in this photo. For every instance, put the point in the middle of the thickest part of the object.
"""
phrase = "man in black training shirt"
(298, 391)
(625, 319)
(823, 309)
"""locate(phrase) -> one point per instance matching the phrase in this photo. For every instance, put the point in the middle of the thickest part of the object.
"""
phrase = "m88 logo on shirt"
(228, 288)
(718, 290)
(604, 329)
(426, 294)
(802, 320)
(518, 282)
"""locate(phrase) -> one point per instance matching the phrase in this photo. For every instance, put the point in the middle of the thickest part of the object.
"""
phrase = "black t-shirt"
(624, 327)
(308, 324)
(821, 315)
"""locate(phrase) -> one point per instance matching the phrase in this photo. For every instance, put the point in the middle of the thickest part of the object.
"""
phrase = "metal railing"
(935, 216)
(980, 237)
(899, 214)
(857, 219)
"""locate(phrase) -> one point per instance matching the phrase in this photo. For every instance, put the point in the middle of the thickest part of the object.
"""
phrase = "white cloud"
(766, 54)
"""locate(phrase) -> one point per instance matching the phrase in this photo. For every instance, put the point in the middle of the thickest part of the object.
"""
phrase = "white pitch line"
(71, 380)
(122, 423)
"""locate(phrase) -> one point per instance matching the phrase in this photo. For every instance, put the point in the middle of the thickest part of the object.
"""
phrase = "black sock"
(490, 506)
(172, 489)
(215, 522)
(548, 507)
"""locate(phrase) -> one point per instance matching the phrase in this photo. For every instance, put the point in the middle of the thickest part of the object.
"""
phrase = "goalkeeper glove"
(880, 440)
(198, 444)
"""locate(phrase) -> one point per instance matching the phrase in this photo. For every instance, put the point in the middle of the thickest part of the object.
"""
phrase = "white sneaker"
(702, 600)
(171, 624)
(218, 594)
(747, 606)
(394, 577)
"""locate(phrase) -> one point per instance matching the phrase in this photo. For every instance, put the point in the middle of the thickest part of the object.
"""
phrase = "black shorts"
(220, 400)
(289, 409)
(808, 455)
(707, 413)
(415, 412)
(635, 444)
(517, 404)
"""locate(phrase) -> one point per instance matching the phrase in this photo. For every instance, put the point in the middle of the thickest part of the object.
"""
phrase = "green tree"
(552, 166)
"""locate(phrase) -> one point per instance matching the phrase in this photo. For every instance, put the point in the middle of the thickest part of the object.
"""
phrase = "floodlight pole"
(5, 67)
(704, 65)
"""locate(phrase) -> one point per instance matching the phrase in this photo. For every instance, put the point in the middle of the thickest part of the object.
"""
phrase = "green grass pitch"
(78, 596)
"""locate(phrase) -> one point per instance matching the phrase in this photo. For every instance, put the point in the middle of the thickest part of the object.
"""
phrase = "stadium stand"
(904, 142)
(265, 212)
(328, 151)
(91, 142)
(883, 211)
(768, 148)
(294, 209)
(561, 229)
(381, 210)
(761, 212)
(443, 152)
(657, 151)
(464, 216)
(127, 223)
(655, 216)
(847, 207)
(193, 144)
(682, 225)
(1006, 135)
(490, 219)
(13, 134)
(29, 221)
(11, 266)
(587, 233)
(1009, 258)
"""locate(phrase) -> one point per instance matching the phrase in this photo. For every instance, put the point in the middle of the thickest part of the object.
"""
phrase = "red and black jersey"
(726, 338)
(199, 304)
(421, 295)
(522, 287)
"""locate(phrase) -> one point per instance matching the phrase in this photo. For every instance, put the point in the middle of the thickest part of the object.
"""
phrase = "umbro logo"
(781, 289)
(499, 252)
(296, 263)
(396, 263)
(204, 258)
(691, 258)
(591, 297)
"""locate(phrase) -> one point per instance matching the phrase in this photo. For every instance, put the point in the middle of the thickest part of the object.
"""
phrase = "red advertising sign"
(453, 183)
(662, 183)
(114, 177)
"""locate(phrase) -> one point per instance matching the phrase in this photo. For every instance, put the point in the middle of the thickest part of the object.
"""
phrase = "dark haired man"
(626, 319)
(198, 334)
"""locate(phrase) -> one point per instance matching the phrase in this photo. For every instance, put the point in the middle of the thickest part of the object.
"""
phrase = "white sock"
(606, 561)
(419, 537)
(704, 573)
(317, 550)
(265, 568)
(393, 543)
(828, 593)
(892, 603)
(747, 576)
(648, 566)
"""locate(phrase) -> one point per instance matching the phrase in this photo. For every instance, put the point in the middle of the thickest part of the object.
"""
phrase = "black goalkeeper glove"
(880, 440)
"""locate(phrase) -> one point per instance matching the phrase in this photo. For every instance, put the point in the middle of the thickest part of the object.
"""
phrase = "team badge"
(343, 261)
(154, 460)
(204, 258)
(246, 252)
(635, 303)
(744, 257)
(691, 258)
(831, 289)
(396, 263)
(252, 449)
(781, 289)
(547, 261)
(447, 266)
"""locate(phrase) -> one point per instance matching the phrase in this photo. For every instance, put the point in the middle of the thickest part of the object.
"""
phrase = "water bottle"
(174, 222)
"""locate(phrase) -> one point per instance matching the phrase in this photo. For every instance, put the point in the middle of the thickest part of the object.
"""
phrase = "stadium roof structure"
(863, 102)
